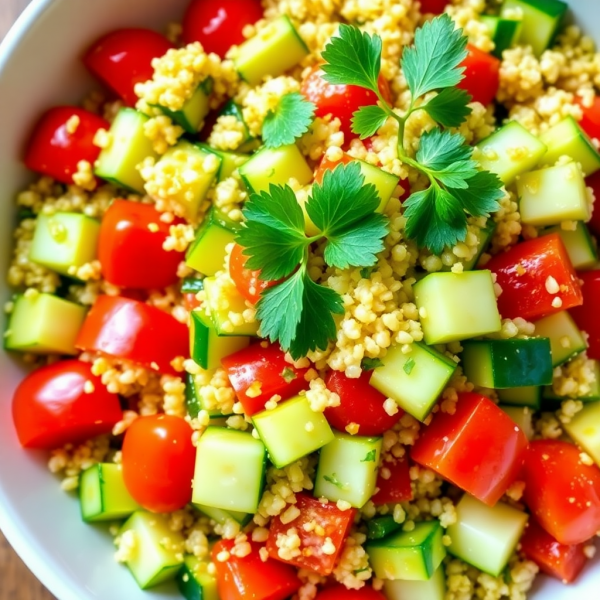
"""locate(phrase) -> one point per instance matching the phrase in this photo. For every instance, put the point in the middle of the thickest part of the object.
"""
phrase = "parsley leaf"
(370, 457)
(288, 375)
(449, 108)
(409, 365)
(368, 120)
(439, 150)
(289, 121)
(368, 364)
(334, 480)
(482, 195)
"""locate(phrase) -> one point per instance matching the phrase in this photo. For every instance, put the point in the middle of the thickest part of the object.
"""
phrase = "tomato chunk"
(561, 491)
(341, 592)
(57, 145)
(51, 406)
(478, 448)
(267, 366)
(248, 282)
(586, 315)
(134, 331)
(590, 121)
(482, 75)
(593, 181)
(335, 524)
(248, 577)
(435, 7)
(523, 274)
(395, 488)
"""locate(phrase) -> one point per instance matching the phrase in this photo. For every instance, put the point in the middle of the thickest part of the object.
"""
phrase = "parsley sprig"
(290, 120)
(436, 217)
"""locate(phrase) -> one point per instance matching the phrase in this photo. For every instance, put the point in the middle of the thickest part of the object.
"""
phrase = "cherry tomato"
(397, 487)
(360, 403)
(561, 491)
(51, 406)
(248, 283)
(435, 7)
(158, 462)
(341, 101)
(482, 75)
(341, 592)
(135, 331)
(123, 58)
(218, 24)
(55, 149)
(590, 122)
(586, 315)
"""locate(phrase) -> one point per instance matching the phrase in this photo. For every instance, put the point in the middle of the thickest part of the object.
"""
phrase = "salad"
(309, 295)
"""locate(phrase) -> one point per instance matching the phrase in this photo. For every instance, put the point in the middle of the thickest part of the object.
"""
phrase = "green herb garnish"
(409, 365)
(290, 120)
(288, 375)
(334, 480)
(370, 457)
(368, 364)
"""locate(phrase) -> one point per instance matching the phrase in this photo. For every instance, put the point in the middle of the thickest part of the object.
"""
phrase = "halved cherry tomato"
(130, 247)
(218, 24)
(593, 181)
(523, 273)
(590, 122)
(561, 491)
(135, 331)
(248, 283)
(158, 462)
(360, 403)
(249, 578)
(336, 524)
(435, 7)
(341, 592)
(482, 75)
(54, 151)
(267, 366)
(478, 448)
(123, 58)
(51, 407)
(586, 315)
(397, 487)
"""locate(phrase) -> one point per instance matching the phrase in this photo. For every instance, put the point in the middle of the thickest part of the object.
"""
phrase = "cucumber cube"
(448, 313)
(414, 380)
(523, 418)
(384, 182)
(230, 470)
(223, 516)
(292, 430)
(348, 469)
(485, 236)
(486, 536)
(44, 324)
(409, 555)
(195, 402)
(103, 495)
(579, 244)
(584, 428)
(566, 341)
(522, 396)
(195, 582)
(551, 196)
(508, 363)
(157, 553)
(248, 143)
(381, 527)
(505, 32)
(230, 161)
(191, 116)
(64, 240)
(432, 589)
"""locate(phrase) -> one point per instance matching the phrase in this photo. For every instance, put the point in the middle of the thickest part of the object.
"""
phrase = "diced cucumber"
(566, 341)
(508, 363)
(103, 495)
(584, 428)
(195, 582)
(275, 166)
(195, 402)
(348, 469)
(566, 138)
(414, 380)
(44, 324)
(230, 161)
(522, 416)
(157, 552)
(64, 240)
(486, 536)
(272, 51)
(505, 32)
(448, 310)
(192, 285)
(230, 470)
(510, 151)
(485, 237)
(249, 143)
(384, 182)
(207, 254)
(594, 394)
(410, 555)
(381, 527)
(432, 589)
(522, 396)
(292, 430)
(541, 21)
(579, 245)
(223, 516)
(553, 195)
(128, 148)
(191, 116)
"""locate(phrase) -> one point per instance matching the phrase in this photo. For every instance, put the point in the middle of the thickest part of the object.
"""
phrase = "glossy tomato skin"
(219, 24)
(135, 331)
(562, 493)
(478, 448)
(586, 315)
(248, 282)
(341, 592)
(435, 7)
(130, 247)
(359, 403)
(158, 462)
(55, 151)
(522, 273)
(123, 58)
(593, 181)
(590, 121)
(397, 487)
(51, 407)
(482, 75)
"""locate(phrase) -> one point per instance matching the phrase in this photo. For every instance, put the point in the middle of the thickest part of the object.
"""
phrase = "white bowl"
(39, 67)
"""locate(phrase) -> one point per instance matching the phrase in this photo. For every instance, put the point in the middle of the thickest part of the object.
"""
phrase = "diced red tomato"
(219, 24)
(341, 101)
(330, 165)
(249, 578)
(360, 403)
(586, 315)
(553, 558)
(248, 283)
(55, 149)
(341, 592)
(593, 181)
(482, 75)
(135, 331)
(561, 491)
(190, 302)
(51, 407)
(397, 487)
(336, 524)
(123, 58)
(130, 247)
(267, 366)
(590, 122)
(478, 448)
(435, 7)
(522, 273)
